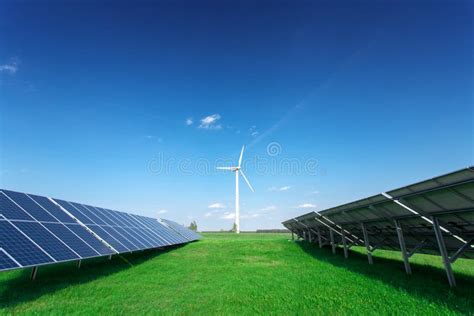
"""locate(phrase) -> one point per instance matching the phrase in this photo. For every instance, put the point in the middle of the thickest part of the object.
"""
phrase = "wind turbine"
(238, 170)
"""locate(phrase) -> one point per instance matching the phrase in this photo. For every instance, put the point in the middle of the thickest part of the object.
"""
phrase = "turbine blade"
(225, 168)
(241, 155)
(246, 180)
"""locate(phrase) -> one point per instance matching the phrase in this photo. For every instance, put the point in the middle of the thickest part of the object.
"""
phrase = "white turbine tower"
(238, 170)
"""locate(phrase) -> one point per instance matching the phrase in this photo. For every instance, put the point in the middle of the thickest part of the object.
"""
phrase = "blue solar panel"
(10, 210)
(96, 219)
(90, 239)
(153, 231)
(53, 209)
(112, 217)
(119, 237)
(168, 233)
(73, 241)
(141, 236)
(36, 230)
(120, 224)
(150, 235)
(68, 207)
(52, 245)
(5, 262)
(99, 212)
(185, 232)
(108, 238)
(19, 247)
(30, 206)
(176, 236)
(128, 237)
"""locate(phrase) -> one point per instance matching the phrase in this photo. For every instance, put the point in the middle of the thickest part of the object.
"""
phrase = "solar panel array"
(435, 216)
(36, 230)
(180, 229)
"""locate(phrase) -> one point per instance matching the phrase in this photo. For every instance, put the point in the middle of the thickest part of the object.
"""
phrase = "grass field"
(245, 274)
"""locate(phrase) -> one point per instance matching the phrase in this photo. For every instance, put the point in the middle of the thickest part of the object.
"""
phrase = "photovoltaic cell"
(185, 232)
(36, 230)
(5, 262)
(167, 232)
(19, 247)
(108, 238)
(73, 241)
(30, 207)
(94, 217)
(53, 209)
(74, 212)
(122, 240)
(10, 210)
(90, 239)
(52, 245)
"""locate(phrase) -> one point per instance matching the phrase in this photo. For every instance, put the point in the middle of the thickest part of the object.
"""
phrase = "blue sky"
(131, 105)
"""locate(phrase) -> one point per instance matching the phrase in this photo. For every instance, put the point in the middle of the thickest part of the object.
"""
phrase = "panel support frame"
(320, 241)
(461, 250)
(403, 247)
(344, 243)
(333, 244)
(367, 243)
(444, 252)
(34, 273)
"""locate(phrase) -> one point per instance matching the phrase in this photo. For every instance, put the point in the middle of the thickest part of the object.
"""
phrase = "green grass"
(246, 274)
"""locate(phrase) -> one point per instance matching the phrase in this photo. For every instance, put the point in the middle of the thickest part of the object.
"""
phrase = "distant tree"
(234, 228)
(193, 226)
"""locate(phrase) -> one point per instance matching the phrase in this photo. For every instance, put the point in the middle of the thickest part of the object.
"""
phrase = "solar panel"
(20, 247)
(435, 216)
(90, 240)
(36, 230)
(180, 229)
(6, 261)
(10, 210)
(78, 245)
(48, 241)
(26, 203)
(166, 232)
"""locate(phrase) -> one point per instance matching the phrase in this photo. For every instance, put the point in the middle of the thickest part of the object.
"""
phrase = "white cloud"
(268, 208)
(253, 131)
(217, 206)
(228, 215)
(208, 214)
(210, 122)
(314, 192)
(189, 121)
(306, 205)
(11, 67)
(280, 189)
(162, 211)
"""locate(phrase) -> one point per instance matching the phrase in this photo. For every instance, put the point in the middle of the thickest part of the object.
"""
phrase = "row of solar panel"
(449, 199)
(36, 230)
